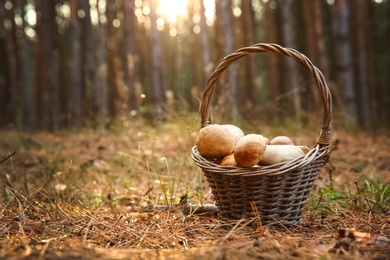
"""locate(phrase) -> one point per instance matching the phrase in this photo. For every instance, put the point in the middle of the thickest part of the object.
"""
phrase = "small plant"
(332, 193)
(373, 195)
(171, 187)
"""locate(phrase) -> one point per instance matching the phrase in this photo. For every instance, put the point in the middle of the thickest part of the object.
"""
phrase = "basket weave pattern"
(277, 192)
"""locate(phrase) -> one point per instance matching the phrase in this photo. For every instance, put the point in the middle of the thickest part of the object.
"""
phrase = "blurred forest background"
(69, 64)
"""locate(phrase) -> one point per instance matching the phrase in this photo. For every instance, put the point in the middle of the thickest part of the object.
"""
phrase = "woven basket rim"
(276, 169)
(325, 131)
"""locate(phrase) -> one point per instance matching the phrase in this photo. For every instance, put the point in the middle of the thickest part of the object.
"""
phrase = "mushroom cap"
(228, 160)
(215, 141)
(249, 150)
(281, 140)
(236, 131)
(280, 153)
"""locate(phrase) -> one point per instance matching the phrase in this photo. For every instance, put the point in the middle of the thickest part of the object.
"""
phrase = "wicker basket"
(276, 193)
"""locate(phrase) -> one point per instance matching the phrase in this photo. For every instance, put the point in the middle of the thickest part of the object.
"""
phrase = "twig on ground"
(9, 156)
(190, 208)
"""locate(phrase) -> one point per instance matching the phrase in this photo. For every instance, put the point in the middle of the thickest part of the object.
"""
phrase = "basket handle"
(324, 137)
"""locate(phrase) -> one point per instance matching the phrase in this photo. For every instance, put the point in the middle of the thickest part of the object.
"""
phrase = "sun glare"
(171, 9)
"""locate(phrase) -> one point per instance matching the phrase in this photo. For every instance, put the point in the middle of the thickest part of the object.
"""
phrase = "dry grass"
(93, 194)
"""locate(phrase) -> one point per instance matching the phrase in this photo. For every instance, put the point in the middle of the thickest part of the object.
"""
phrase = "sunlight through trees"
(67, 64)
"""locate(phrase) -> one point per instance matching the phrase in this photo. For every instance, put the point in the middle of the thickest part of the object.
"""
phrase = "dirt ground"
(101, 194)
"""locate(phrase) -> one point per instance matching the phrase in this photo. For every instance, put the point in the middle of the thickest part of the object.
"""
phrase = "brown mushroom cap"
(281, 140)
(228, 160)
(236, 131)
(215, 141)
(249, 150)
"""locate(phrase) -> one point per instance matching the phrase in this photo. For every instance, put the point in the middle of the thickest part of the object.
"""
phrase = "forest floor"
(93, 195)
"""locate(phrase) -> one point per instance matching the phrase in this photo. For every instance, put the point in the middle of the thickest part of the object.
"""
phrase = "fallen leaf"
(364, 237)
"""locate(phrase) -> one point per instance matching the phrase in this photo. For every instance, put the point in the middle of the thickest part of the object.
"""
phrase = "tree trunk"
(76, 88)
(273, 60)
(47, 68)
(291, 65)
(221, 92)
(25, 59)
(16, 41)
(64, 42)
(320, 59)
(130, 56)
(250, 88)
(179, 76)
(228, 40)
(384, 64)
(315, 44)
(4, 74)
(307, 8)
(372, 61)
(343, 58)
(157, 88)
(364, 103)
(192, 56)
(10, 101)
(114, 99)
(4, 70)
(88, 61)
(100, 89)
(204, 34)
